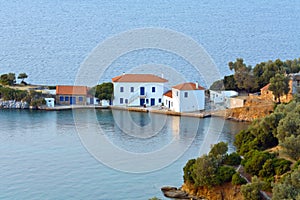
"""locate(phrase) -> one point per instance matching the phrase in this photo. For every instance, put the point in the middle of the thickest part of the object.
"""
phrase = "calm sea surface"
(42, 157)
(48, 39)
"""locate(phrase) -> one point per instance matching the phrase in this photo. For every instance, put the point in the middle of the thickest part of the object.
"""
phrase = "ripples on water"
(49, 39)
(42, 156)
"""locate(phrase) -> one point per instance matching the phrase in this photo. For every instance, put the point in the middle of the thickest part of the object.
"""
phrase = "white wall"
(133, 98)
(193, 102)
(49, 102)
(166, 101)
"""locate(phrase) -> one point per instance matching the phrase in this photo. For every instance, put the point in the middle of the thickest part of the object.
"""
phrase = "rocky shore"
(178, 193)
(187, 191)
(13, 105)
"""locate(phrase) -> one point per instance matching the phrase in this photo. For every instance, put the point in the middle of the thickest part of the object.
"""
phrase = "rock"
(175, 193)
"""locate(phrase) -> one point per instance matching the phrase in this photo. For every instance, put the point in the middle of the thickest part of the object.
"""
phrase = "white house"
(49, 102)
(138, 90)
(221, 96)
(168, 100)
(185, 97)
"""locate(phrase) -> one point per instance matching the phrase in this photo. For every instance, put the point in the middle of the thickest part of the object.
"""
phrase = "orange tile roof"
(168, 93)
(266, 87)
(145, 78)
(188, 86)
(71, 90)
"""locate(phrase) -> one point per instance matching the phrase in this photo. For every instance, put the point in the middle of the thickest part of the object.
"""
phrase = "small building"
(71, 95)
(138, 90)
(185, 97)
(221, 96)
(104, 102)
(295, 83)
(49, 102)
(265, 93)
(234, 102)
(168, 100)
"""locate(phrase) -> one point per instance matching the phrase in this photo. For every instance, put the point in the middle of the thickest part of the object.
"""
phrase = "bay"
(42, 156)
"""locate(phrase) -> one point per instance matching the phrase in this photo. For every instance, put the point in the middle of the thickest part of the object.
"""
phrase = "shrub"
(237, 179)
(232, 159)
(219, 149)
(282, 166)
(187, 171)
(254, 161)
(225, 174)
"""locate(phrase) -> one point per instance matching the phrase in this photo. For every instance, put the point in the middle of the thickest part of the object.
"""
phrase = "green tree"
(219, 149)
(254, 161)
(288, 187)
(243, 75)
(289, 125)
(233, 159)
(205, 171)
(291, 146)
(279, 85)
(230, 83)
(104, 91)
(8, 79)
(188, 170)
(22, 76)
(237, 179)
(251, 191)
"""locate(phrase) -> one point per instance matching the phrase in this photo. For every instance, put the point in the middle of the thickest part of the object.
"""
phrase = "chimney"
(197, 85)
(162, 75)
(123, 73)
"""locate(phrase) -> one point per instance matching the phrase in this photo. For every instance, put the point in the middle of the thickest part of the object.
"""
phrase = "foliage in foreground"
(209, 170)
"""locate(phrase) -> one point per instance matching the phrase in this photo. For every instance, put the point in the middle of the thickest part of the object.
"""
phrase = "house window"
(298, 83)
(159, 100)
(176, 93)
(131, 89)
(121, 100)
(172, 104)
(121, 89)
(126, 101)
(153, 89)
(147, 101)
(66, 98)
(61, 98)
(186, 94)
(80, 98)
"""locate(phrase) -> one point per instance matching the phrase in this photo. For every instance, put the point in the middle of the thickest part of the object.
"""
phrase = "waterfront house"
(185, 97)
(49, 102)
(71, 95)
(265, 93)
(168, 100)
(221, 96)
(138, 90)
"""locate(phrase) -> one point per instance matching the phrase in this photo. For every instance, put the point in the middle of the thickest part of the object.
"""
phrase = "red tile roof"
(144, 78)
(188, 86)
(266, 87)
(168, 93)
(71, 90)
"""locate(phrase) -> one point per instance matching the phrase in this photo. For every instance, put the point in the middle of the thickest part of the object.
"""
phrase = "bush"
(251, 191)
(219, 149)
(237, 179)
(225, 174)
(254, 161)
(232, 159)
(205, 170)
(282, 166)
(187, 171)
